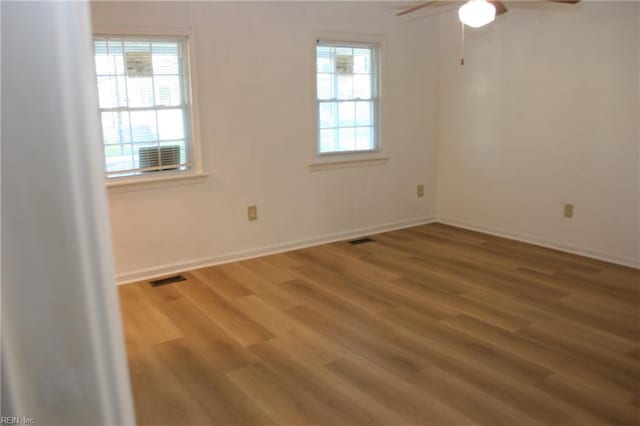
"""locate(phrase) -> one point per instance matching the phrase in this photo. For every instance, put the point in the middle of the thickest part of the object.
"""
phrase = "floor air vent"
(361, 241)
(168, 280)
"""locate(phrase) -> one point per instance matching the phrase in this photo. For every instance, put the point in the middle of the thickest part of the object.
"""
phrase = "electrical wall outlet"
(568, 210)
(252, 213)
(420, 190)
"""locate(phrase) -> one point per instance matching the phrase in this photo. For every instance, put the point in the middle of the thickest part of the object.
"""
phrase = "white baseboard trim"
(619, 260)
(173, 268)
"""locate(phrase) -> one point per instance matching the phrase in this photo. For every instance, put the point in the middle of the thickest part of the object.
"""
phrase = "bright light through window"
(347, 81)
(143, 97)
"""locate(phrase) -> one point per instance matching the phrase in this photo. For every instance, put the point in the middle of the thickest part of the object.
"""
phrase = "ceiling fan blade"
(565, 1)
(500, 7)
(418, 7)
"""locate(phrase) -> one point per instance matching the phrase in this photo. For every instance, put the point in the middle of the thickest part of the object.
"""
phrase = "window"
(347, 96)
(144, 100)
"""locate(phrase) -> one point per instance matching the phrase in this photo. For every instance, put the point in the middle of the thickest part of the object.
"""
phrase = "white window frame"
(376, 156)
(196, 171)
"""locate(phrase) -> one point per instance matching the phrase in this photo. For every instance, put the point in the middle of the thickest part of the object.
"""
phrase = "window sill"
(139, 184)
(334, 163)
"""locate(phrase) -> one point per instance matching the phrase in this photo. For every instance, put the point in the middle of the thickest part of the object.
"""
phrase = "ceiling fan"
(476, 13)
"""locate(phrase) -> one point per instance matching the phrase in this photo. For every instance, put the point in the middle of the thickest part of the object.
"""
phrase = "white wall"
(255, 77)
(63, 356)
(545, 112)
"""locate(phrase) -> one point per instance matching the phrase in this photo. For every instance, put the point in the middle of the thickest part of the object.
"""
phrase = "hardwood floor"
(431, 325)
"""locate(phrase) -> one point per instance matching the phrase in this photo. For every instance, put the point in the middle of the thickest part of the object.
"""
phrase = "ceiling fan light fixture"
(476, 13)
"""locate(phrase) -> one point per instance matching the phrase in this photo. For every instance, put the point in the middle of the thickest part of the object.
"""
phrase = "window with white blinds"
(347, 97)
(144, 104)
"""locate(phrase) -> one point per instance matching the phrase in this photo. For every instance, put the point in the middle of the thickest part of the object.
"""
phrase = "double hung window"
(145, 104)
(347, 97)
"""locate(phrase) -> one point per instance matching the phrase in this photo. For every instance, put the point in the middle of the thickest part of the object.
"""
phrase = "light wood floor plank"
(399, 395)
(430, 325)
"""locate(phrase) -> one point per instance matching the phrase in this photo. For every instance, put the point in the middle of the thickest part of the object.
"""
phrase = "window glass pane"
(327, 140)
(325, 86)
(168, 91)
(345, 87)
(102, 57)
(328, 114)
(137, 59)
(119, 157)
(140, 91)
(108, 57)
(170, 124)
(364, 138)
(143, 126)
(362, 86)
(324, 59)
(345, 51)
(364, 113)
(115, 127)
(165, 58)
(116, 60)
(343, 60)
(346, 114)
(137, 46)
(112, 152)
(362, 61)
(111, 92)
(346, 139)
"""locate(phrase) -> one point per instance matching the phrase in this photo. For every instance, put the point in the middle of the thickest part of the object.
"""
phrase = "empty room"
(321, 213)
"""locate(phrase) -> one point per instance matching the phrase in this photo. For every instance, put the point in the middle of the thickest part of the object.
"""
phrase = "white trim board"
(593, 254)
(173, 268)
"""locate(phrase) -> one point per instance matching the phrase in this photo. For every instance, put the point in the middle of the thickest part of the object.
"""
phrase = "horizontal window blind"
(347, 97)
(144, 105)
